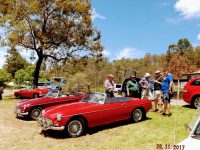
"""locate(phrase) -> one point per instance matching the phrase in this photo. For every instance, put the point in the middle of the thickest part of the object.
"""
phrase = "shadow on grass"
(90, 131)
(188, 106)
(25, 118)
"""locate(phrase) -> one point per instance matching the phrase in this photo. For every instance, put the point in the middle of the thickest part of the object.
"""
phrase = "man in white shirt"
(109, 86)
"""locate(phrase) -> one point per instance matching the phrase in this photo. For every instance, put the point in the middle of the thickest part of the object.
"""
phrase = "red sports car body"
(95, 109)
(191, 94)
(33, 108)
(31, 92)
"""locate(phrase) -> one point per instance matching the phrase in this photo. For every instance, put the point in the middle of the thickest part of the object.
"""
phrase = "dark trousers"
(110, 94)
(0, 96)
(133, 94)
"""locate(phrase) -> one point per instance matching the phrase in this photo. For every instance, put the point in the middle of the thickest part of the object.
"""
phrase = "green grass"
(24, 135)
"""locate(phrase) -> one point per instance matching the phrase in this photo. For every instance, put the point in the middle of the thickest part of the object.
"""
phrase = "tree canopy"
(57, 29)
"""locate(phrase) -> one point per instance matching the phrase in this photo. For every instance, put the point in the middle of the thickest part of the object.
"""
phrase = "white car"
(193, 141)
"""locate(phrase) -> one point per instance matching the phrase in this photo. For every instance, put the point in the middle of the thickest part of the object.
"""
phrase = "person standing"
(157, 91)
(132, 87)
(167, 92)
(146, 87)
(1, 90)
(109, 86)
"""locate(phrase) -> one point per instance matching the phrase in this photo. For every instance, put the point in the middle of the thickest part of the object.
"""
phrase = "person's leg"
(165, 101)
(0, 96)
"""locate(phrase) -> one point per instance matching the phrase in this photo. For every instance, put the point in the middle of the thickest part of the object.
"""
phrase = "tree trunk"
(37, 70)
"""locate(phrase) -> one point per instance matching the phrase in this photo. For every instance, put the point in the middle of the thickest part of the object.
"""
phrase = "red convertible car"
(95, 109)
(33, 108)
(191, 92)
(31, 92)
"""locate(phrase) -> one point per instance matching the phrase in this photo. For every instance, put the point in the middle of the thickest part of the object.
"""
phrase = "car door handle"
(123, 104)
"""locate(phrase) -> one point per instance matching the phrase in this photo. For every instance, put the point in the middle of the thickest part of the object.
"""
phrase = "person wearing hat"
(109, 86)
(147, 88)
(158, 92)
(132, 87)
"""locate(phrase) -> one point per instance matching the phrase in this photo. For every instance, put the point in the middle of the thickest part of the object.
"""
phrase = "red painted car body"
(191, 94)
(31, 92)
(53, 97)
(92, 113)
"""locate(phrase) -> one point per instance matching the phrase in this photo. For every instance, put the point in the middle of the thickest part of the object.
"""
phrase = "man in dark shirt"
(157, 91)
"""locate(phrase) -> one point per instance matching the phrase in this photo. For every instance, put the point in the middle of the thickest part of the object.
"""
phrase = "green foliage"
(4, 76)
(14, 62)
(77, 83)
(24, 75)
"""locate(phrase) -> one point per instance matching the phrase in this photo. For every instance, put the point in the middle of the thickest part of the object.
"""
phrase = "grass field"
(20, 134)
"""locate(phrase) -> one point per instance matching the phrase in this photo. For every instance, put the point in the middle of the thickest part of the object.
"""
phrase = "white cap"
(147, 75)
(158, 71)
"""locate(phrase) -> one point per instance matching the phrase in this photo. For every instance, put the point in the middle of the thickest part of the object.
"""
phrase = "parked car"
(123, 89)
(95, 109)
(31, 92)
(191, 92)
(33, 108)
(118, 88)
(192, 142)
(50, 85)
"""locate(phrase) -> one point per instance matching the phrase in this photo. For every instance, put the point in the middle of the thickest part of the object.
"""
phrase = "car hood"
(33, 101)
(71, 109)
(190, 143)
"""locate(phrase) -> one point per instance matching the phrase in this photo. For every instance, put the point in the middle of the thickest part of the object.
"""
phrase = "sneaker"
(168, 115)
(155, 110)
(163, 114)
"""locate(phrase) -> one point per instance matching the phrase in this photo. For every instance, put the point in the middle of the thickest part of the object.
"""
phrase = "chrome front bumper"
(46, 125)
(19, 113)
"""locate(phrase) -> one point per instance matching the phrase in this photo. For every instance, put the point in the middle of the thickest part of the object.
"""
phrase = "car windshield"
(98, 98)
(53, 93)
(197, 131)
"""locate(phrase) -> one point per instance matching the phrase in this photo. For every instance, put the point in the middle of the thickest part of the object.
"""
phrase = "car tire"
(123, 94)
(196, 102)
(137, 115)
(19, 96)
(75, 127)
(35, 95)
(35, 113)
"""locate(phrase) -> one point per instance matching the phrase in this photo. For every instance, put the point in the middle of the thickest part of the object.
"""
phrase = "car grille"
(45, 123)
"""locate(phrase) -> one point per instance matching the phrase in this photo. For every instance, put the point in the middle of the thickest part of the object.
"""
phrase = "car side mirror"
(188, 127)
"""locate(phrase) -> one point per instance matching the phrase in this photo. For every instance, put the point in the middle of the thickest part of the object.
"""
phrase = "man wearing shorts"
(167, 91)
(157, 91)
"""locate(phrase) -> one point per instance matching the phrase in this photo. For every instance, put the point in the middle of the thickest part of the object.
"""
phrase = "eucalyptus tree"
(53, 29)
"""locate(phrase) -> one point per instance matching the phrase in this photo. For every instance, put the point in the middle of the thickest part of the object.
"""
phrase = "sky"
(132, 28)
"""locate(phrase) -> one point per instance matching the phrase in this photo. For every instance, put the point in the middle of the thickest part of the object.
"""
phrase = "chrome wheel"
(197, 102)
(137, 115)
(35, 95)
(75, 128)
(36, 113)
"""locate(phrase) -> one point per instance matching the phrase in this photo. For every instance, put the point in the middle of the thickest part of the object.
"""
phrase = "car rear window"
(196, 83)
(118, 85)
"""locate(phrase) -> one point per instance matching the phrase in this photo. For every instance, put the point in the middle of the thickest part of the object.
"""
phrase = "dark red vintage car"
(33, 108)
(95, 109)
(31, 92)
(191, 92)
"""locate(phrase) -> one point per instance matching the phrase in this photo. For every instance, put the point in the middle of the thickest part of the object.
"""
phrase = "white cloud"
(188, 9)
(106, 53)
(96, 15)
(198, 37)
(130, 53)
(2, 56)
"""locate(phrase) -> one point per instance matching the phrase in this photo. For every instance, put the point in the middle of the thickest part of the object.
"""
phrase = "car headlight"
(26, 106)
(59, 117)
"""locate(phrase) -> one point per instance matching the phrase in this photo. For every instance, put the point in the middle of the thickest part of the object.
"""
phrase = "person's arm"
(127, 89)
(170, 83)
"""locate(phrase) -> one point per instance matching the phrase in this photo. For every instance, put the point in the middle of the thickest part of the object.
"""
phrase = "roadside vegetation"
(25, 134)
